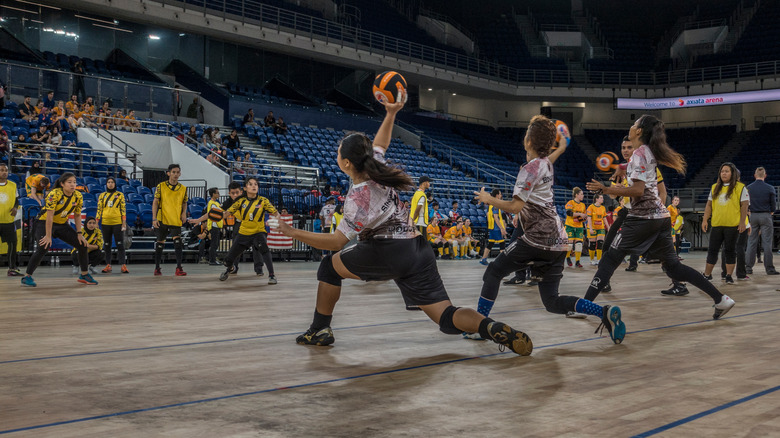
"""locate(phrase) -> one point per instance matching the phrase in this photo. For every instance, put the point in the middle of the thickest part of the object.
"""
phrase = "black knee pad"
(327, 273)
(177, 243)
(490, 272)
(599, 244)
(446, 325)
(158, 246)
(592, 245)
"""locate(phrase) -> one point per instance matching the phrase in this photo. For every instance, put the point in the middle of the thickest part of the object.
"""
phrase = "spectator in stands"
(60, 118)
(232, 141)
(269, 119)
(454, 212)
(73, 104)
(727, 206)
(223, 157)
(238, 165)
(38, 107)
(73, 120)
(280, 127)
(88, 113)
(435, 213)
(762, 207)
(48, 101)
(131, 123)
(45, 118)
(20, 150)
(3, 93)
(192, 110)
(213, 158)
(78, 79)
(192, 136)
(55, 139)
(59, 110)
(249, 118)
(216, 137)
(123, 175)
(177, 104)
(5, 143)
(105, 116)
(89, 106)
(27, 110)
(41, 136)
(118, 120)
(35, 168)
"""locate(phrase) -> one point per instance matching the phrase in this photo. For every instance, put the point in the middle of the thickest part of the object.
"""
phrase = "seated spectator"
(105, 116)
(59, 110)
(191, 137)
(27, 110)
(249, 118)
(232, 141)
(238, 165)
(73, 121)
(3, 94)
(123, 175)
(73, 104)
(60, 121)
(216, 137)
(280, 127)
(118, 120)
(192, 110)
(223, 158)
(5, 143)
(38, 107)
(20, 146)
(269, 119)
(44, 118)
(131, 123)
(454, 213)
(35, 169)
(213, 158)
(55, 139)
(48, 101)
(88, 115)
(205, 140)
(249, 168)
(41, 136)
(89, 106)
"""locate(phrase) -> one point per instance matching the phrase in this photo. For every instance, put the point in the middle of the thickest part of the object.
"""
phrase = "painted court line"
(379, 373)
(249, 338)
(705, 413)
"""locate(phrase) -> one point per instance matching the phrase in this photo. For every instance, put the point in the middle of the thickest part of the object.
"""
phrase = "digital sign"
(698, 101)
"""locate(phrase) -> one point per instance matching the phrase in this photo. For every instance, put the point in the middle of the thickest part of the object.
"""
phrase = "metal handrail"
(705, 24)
(441, 17)
(80, 152)
(560, 28)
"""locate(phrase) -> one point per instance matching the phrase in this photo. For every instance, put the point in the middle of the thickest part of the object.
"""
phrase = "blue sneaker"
(28, 281)
(458, 257)
(612, 322)
(484, 262)
(87, 279)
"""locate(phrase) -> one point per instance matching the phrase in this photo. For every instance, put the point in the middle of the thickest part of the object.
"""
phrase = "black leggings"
(64, 232)
(259, 247)
(741, 248)
(545, 265)
(94, 258)
(727, 237)
(8, 236)
(115, 232)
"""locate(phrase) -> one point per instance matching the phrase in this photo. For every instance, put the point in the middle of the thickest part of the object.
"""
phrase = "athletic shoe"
(708, 277)
(676, 290)
(607, 288)
(506, 336)
(457, 258)
(631, 268)
(772, 273)
(28, 281)
(723, 307)
(728, 279)
(157, 271)
(612, 322)
(473, 253)
(532, 283)
(322, 337)
(75, 270)
(594, 262)
(272, 279)
(484, 262)
(722, 275)
(203, 260)
(745, 278)
(260, 273)
(750, 271)
(515, 280)
(107, 269)
(92, 270)
(224, 276)
(14, 273)
(87, 279)
(180, 272)
(578, 264)
(473, 336)
(568, 261)
(234, 271)
(576, 315)
(124, 269)
(215, 264)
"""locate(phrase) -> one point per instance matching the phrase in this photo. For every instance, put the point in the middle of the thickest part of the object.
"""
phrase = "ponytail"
(358, 150)
(654, 136)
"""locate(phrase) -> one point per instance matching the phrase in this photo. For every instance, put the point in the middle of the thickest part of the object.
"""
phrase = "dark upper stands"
(761, 151)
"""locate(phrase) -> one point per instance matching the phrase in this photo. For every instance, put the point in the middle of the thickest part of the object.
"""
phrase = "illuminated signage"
(695, 101)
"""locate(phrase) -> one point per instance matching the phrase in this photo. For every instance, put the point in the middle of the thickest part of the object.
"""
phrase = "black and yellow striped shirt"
(93, 238)
(251, 213)
(62, 205)
(111, 208)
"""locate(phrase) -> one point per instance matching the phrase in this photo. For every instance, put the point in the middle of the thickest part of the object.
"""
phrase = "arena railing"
(446, 19)
(354, 37)
(36, 81)
(80, 157)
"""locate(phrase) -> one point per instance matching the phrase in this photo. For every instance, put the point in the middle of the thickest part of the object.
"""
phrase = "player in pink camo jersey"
(388, 247)
(544, 243)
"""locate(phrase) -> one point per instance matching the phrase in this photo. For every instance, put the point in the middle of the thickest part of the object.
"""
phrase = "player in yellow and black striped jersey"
(212, 227)
(169, 212)
(9, 204)
(61, 202)
(94, 245)
(250, 210)
(112, 216)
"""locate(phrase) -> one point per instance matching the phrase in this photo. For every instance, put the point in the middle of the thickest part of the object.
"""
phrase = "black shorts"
(519, 255)
(408, 262)
(638, 236)
(8, 232)
(167, 230)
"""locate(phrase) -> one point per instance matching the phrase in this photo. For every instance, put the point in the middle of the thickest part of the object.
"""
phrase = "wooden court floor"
(144, 356)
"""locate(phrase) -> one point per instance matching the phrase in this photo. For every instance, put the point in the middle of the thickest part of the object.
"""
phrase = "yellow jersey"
(726, 211)
(210, 223)
(34, 181)
(251, 213)
(419, 198)
(597, 215)
(334, 223)
(94, 238)
(574, 207)
(466, 231)
(172, 200)
(673, 213)
(62, 206)
(433, 231)
(8, 201)
(72, 107)
(453, 233)
(491, 221)
(111, 208)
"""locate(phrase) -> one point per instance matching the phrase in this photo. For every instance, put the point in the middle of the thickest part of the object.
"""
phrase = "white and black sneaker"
(723, 307)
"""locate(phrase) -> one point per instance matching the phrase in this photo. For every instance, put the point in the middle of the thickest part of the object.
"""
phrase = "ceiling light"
(454, 94)
(182, 34)
(430, 89)
(154, 37)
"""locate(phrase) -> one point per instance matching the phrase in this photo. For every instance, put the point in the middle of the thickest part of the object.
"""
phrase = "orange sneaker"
(107, 269)
(124, 269)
